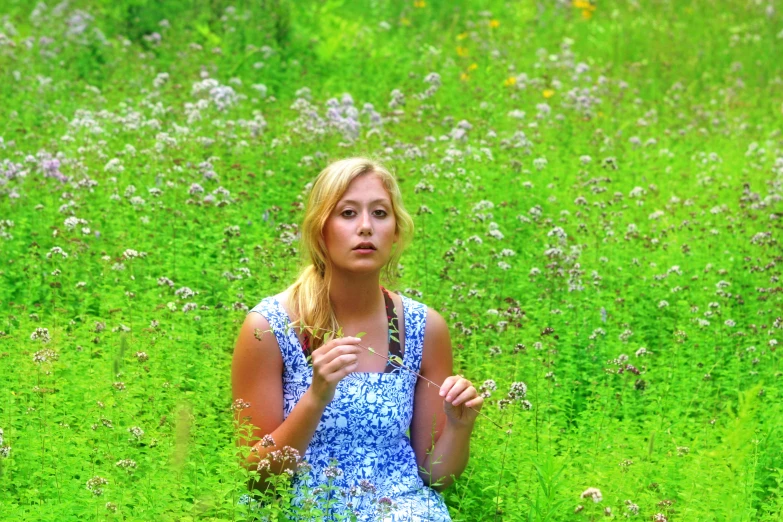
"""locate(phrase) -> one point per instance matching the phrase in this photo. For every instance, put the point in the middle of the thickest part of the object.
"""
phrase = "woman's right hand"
(331, 362)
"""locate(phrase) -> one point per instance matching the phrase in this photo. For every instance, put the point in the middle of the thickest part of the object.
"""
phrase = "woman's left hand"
(459, 396)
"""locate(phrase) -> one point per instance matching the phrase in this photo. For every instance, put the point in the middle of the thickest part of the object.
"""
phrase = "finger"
(457, 389)
(460, 397)
(338, 363)
(466, 395)
(475, 403)
(447, 384)
(339, 350)
(327, 347)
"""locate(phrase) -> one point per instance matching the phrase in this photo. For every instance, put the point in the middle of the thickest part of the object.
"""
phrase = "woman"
(340, 405)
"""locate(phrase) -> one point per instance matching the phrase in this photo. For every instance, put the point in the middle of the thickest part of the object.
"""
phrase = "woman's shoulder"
(413, 306)
(268, 304)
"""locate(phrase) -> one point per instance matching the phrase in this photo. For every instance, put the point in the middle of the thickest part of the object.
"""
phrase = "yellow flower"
(494, 23)
(405, 21)
(419, 3)
(583, 4)
(462, 36)
(473, 67)
(462, 51)
(548, 93)
(464, 77)
(510, 81)
(587, 7)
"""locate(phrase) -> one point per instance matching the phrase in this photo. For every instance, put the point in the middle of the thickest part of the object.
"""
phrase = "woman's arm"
(257, 379)
(441, 444)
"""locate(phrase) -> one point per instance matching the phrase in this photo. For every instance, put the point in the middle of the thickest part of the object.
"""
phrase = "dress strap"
(394, 333)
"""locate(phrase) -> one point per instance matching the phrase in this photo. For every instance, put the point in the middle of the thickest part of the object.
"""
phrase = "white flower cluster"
(5, 449)
(95, 485)
(56, 251)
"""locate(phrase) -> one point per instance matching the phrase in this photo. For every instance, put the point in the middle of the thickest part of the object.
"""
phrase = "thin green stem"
(396, 361)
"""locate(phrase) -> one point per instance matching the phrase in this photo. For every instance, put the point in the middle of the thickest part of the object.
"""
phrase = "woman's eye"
(379, 213)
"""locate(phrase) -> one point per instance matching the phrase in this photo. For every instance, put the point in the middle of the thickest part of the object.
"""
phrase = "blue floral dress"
(362, 431)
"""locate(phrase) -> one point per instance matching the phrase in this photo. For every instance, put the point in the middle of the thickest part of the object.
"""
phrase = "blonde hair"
(309, 294)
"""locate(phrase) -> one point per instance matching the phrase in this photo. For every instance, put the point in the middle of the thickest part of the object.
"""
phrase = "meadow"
(597, 190)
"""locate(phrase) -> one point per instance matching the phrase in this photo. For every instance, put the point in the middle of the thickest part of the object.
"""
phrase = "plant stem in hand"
(396, 360)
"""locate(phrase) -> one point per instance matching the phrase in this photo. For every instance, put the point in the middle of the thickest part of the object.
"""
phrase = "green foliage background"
(697, 439)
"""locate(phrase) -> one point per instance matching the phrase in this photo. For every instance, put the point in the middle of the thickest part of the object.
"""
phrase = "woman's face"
(362, 215)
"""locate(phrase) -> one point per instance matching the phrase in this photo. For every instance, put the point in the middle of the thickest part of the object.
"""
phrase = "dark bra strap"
(394, 333)
(393, 337)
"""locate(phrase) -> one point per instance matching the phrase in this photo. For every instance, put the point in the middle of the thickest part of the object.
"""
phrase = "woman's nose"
(365, 223)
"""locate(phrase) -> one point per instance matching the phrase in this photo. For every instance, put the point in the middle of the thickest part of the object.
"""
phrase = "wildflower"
(126, 464)
(111, 506)
(137, 432)
(518, 391)
(332, 472)
(45, 355)
(660, 517)
(631, 507)
(540, 163)
(593, 493)
(114, 165)
(95, 485)
(5, 449)
(239, 405)
(185, 293)
(232, 231)
(385, 505)
(497, 234)
(286, 454)
(56, 251)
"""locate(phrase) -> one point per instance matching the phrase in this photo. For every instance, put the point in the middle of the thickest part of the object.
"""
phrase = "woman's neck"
(355, 298)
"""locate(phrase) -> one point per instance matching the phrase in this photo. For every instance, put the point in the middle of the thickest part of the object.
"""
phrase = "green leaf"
(360, 334)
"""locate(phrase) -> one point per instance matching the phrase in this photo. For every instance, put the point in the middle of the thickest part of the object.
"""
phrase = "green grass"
(694, 436)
